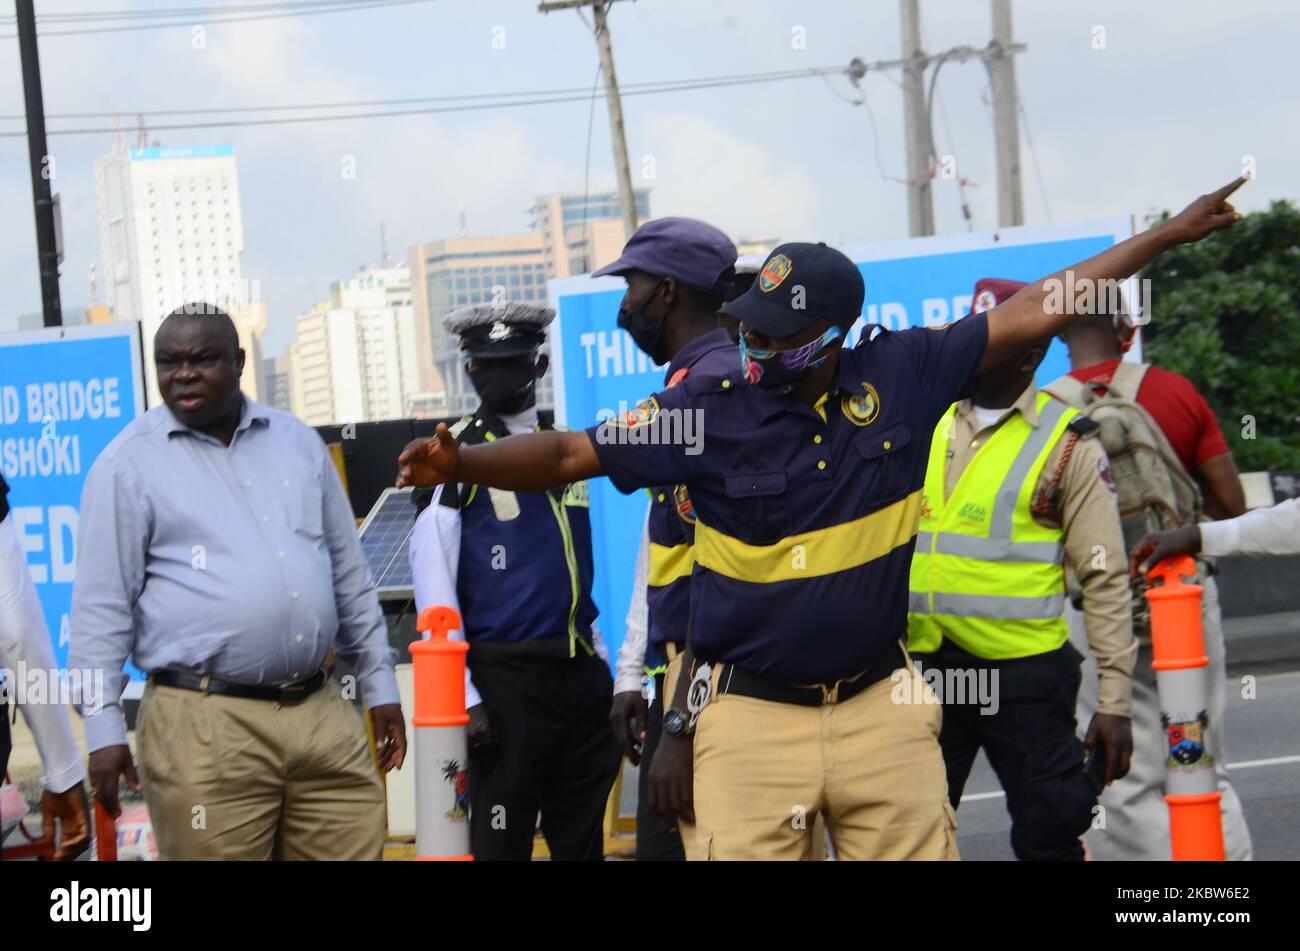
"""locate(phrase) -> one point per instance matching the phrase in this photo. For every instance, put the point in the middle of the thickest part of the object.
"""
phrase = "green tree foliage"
(1225, 313)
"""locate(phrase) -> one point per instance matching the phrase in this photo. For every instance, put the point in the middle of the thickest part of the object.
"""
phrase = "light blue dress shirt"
(237, 561)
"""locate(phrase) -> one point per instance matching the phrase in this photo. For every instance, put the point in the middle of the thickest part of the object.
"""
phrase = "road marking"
(1244, 764)
(1275, 761)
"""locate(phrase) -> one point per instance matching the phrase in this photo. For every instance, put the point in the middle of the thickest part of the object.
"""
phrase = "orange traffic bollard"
(1179, 660)
(441, 762)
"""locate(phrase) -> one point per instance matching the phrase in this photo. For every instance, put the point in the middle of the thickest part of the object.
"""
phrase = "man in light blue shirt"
(218, 551)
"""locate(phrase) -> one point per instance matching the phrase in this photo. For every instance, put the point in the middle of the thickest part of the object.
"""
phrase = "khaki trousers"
(235, 779)
(1137, 816)
(870, 767)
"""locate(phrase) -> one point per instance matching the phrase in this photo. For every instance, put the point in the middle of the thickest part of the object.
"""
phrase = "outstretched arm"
(1041, 310)
(529, 462)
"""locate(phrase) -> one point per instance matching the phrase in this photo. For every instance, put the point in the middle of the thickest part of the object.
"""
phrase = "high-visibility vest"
(985, 574)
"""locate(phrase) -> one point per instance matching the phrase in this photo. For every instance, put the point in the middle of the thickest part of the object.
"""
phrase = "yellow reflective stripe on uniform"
(571, 560)
(669, 564)
(825, 551)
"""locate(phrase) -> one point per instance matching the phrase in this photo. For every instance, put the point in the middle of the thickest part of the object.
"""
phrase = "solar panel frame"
(385, 536)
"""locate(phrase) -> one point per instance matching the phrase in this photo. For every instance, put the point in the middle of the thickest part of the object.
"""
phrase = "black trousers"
(655, 842)
(554, 753)
(1030, 742)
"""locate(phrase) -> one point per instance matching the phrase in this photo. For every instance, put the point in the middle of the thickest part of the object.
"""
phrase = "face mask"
(649, 337)
(505, 387)
(780, 371)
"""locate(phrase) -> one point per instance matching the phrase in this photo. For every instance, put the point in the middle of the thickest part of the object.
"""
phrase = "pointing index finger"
(1231, 187)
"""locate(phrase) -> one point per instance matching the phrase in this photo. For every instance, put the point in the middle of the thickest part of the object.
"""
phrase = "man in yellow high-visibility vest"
(1017, 485)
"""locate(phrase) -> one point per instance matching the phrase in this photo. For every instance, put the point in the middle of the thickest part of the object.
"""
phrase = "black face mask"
(505, 387)
(647, 336)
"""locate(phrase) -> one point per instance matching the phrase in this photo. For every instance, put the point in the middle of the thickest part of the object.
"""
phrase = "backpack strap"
(1069, 391)
(1127, 380)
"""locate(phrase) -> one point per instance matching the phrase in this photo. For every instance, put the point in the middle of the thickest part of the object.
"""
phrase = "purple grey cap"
(692, 252)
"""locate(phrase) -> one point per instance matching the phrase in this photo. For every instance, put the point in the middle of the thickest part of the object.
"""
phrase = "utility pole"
(618, 137)
(1006, 107)
(920, 202)
(47, 249)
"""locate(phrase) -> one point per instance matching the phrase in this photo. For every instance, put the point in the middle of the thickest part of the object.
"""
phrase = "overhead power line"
(214, 17)
(770, 75)
(540, 99)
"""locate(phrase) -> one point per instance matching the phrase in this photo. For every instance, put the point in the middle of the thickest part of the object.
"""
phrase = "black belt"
(285, 693)
(744, 684)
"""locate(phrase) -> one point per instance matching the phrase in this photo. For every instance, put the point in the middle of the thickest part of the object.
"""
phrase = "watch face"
(674, 722)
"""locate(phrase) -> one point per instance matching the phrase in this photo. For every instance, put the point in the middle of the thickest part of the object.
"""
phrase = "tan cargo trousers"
(870, 767)
(235, 779)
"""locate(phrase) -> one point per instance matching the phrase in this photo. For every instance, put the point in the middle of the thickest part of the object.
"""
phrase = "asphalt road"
(1263, 753)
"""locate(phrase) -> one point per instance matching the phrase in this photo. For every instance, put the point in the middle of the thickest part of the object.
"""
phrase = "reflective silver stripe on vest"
(996, 607)
(918, 602)
(987, 549)
(1005, 505)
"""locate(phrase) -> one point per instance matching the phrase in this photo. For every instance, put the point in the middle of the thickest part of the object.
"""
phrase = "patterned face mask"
(782, 370)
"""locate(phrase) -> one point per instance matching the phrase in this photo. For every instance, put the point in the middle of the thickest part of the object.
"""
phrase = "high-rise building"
(583, 232)
(572, 234)
(354, 359)
(453, 273)
(171, 233)
(276, 388)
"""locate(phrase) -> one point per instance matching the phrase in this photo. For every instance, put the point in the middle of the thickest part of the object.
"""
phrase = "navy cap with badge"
(691, 252)
(798, 285)
(500, 330)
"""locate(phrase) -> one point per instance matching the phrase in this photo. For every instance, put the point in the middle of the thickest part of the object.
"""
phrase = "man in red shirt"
(1096, 346)
(1136, 820)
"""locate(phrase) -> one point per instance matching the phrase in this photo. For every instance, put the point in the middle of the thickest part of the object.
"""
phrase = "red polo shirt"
(1176, 406)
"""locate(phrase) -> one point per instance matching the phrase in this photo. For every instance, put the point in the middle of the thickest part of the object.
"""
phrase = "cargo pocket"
(759, 501)
(1058, 800)
(885, 473)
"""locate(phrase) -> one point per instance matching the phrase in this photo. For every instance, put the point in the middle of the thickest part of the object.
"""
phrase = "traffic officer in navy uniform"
(678, 272)
(807, 492)
(518, 568)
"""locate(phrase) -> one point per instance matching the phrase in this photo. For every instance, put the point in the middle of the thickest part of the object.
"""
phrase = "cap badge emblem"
(776, 270)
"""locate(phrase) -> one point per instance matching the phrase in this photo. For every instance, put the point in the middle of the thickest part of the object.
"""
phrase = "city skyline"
(788, 159)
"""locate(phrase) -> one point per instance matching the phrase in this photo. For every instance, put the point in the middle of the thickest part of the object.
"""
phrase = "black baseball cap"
(798, 285)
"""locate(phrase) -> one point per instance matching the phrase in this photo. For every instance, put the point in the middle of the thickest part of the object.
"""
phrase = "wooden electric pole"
(1006, 108)
(618, 137)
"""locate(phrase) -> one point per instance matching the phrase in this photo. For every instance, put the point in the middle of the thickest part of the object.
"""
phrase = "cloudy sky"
(1181, 91)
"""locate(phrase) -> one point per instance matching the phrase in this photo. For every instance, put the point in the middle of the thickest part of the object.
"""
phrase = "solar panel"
(385, 539)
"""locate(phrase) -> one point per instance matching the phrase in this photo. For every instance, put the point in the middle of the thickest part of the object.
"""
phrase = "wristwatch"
(677, 723)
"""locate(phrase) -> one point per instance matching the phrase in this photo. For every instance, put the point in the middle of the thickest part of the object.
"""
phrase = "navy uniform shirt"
(671, 522)
(806, 517)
